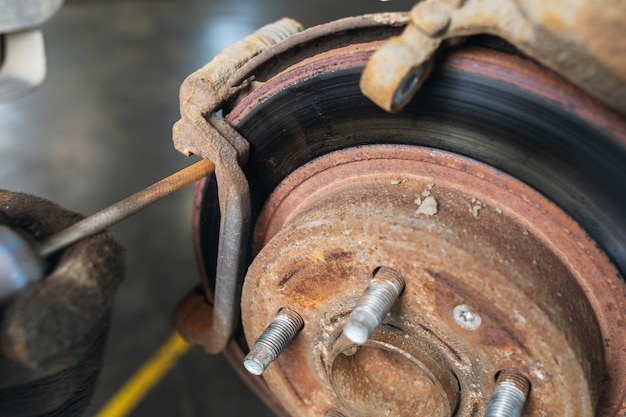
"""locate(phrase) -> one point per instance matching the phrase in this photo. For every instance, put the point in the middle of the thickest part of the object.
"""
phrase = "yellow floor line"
(140, 383)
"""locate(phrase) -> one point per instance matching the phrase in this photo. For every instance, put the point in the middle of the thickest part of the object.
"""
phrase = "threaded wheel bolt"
(375, 303)
(510, 395)
(273, 341)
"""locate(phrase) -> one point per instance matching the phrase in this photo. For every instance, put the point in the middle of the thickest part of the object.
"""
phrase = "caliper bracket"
(200, 131)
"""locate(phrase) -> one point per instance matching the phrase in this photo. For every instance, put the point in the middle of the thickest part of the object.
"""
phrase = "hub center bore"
(365, 378)
(389, 366)
(497, 278)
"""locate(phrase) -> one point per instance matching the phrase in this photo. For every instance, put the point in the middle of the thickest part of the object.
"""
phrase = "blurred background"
(99, 129)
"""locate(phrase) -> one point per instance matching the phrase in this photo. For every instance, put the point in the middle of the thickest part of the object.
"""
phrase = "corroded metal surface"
(122, 209)
(461, 233)
(316, 40)
(201, 132)
(513, 70)
(580, 40)
(415, 356)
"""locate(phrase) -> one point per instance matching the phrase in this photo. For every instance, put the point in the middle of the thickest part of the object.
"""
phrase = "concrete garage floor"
(99, 129)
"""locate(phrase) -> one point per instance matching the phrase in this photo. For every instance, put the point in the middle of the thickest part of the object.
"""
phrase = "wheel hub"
(497, 278)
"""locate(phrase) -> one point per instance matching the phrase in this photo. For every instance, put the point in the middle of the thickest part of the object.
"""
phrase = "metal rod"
(125, 208)
(509, 396)
(273, 341)
(372, 308)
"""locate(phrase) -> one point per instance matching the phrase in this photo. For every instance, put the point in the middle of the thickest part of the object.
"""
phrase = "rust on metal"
(508, 69)
(117, 212)
(200, 131)
(354, 55)
(569, 301)
(192, 319)
(301, 41)
(405, 385)
(582, 41)
(541, 287)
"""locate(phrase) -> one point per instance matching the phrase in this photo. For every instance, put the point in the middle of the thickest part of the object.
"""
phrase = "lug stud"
(510, 395)
(273, 341)
(380, 295)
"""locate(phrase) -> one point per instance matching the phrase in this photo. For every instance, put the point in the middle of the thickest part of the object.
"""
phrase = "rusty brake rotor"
(496, 193)
(469, 240)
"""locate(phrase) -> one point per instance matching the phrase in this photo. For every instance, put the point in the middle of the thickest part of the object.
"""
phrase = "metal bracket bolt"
(510, 395)
(375, 303)
(273, 341)
(408, 86)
